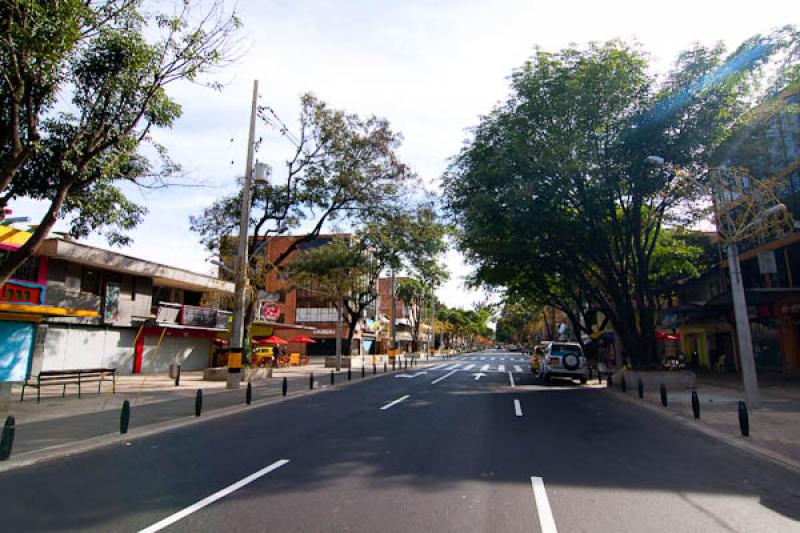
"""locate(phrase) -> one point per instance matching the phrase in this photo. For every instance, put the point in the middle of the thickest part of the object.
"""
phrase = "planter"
(652, 379)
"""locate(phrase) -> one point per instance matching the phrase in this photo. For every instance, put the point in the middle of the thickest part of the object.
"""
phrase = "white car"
(563, 359)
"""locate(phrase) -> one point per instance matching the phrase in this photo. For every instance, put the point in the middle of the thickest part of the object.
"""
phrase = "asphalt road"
(451, 454)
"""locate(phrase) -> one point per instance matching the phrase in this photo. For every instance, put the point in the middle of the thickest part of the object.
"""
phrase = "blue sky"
(431, 68)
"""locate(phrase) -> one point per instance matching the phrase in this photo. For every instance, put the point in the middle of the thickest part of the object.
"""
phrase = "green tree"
(336, 270)
(556, 194)
(412, 292)
(345, 168)
(83, 87)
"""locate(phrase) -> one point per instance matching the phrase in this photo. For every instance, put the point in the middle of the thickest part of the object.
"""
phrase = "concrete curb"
(731, 440)
(70, 449)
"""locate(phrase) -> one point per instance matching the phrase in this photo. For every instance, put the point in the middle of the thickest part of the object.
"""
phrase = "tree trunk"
(18, 257)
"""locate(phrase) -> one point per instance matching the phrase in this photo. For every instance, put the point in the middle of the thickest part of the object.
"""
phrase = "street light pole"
(240, 294)
(743, 336)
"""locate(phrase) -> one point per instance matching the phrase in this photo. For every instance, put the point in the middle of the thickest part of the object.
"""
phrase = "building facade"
(95, 308)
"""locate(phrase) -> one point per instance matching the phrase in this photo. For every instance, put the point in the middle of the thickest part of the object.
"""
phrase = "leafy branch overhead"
(83, 88)
(557, 197)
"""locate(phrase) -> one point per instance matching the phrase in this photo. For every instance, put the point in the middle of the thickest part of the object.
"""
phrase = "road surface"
(451, 447)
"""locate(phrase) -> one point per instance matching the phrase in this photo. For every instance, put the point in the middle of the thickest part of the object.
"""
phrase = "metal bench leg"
(114, 383)
(64, 391)
(22, 396)
(79, 385)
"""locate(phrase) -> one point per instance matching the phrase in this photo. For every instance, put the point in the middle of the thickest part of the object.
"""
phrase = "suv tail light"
(553, 361)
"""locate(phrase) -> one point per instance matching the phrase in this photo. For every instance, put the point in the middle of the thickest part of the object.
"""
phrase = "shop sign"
(324, 332)
(269, 311)
(767, 263)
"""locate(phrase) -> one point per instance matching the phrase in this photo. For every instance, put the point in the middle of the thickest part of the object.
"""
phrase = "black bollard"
(311, 381)
(384, 367)
(374, 369)
(178, 376)
(363, 371)
(695, 405)
(198, 402)
(640, 386)
(663, 395)
(599, 377)
(248, 395)
(125, 417)
(610, 381)
(622, 384)
(744, 421)
(349, 373)
(333, 378)
(394, 364)
(285, 386)
(7, 440)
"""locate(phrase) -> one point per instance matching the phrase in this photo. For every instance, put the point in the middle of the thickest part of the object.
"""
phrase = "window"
(90, 281)
(29, 271)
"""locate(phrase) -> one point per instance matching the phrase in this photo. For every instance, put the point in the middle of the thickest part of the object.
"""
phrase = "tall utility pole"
(393, 324)
(240, 296)
(339, 334)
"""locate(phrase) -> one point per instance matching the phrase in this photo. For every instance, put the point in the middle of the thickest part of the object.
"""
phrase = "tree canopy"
(83, 87)
(556, 193)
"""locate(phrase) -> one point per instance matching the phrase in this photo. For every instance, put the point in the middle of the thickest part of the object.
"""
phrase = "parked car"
(563, 359)
(536, 356)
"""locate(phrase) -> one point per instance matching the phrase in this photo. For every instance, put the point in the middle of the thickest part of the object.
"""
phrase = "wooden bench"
(76, 376)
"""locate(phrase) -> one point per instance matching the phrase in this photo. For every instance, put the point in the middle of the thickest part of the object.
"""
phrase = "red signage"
(270, 311)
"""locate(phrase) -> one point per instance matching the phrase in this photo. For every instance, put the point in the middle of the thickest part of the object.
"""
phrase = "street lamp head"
(654, 160)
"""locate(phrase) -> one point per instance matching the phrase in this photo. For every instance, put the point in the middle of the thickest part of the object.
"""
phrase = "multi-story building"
(78, 306)
(286, 311)
(770, 266)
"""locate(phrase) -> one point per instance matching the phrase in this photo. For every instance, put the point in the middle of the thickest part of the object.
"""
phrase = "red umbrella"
(302, 339)
(272, 339)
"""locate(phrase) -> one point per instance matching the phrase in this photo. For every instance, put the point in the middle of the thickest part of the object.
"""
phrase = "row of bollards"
(9, 428)
(744, 418)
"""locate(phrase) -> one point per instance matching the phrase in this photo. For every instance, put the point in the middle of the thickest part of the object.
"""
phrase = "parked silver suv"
(564, 359)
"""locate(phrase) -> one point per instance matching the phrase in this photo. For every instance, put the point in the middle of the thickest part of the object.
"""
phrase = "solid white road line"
(517, 408)
(395, 402)
(501, 368)
(517, 368)
(511, 379)
(469, 367)
(435, 381)
(454, 367)
(158, 526)
(546, 521)
(484, 368)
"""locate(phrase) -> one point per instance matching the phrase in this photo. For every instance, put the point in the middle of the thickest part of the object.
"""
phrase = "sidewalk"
(774, 428)
(58, 425)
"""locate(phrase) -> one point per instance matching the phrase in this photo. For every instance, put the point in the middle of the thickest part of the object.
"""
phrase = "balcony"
(192, 316)
(22, 292)
(316, 314)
